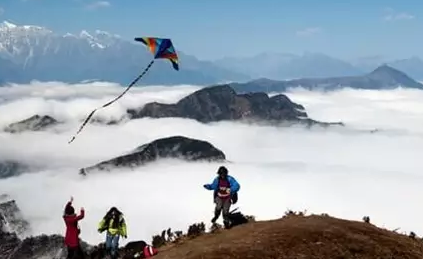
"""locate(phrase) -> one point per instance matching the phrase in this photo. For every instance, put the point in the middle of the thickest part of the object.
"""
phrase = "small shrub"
(158, 241)
(178, 234)
(165, 237)
(215, 227)
(366, 219)
(412, 235)
(251, 218)
(170, 235)
(290, 213)
(174, 237)
(196, 229)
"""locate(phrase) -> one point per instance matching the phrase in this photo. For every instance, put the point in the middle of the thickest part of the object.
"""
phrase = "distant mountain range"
(29, 52)
(289, 66)
(36, 53)
(383, 77)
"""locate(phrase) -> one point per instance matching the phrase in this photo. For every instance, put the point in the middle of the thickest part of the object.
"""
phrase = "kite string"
(112, 101)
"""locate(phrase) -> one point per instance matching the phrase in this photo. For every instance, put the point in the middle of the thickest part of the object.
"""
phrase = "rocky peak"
(221, 102)
(214, 94)
(11, 219)
(176, 147)
(392, 77)
(209, 104)
(33, 123)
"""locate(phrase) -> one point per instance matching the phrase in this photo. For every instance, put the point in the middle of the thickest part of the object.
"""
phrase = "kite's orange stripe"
(170, 56)
(152, 45)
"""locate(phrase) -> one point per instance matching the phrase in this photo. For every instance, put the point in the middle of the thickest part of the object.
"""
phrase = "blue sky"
(215, 28)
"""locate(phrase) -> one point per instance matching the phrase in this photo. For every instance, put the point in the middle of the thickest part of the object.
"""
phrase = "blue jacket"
(214, 186)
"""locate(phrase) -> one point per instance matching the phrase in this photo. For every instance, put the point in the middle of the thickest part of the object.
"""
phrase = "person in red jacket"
(73, 231)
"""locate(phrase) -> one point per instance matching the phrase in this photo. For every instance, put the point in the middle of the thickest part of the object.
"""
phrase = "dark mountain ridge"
(175, 147)
(222, 103)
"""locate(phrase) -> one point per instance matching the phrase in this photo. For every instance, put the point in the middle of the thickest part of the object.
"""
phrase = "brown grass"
(297, 237)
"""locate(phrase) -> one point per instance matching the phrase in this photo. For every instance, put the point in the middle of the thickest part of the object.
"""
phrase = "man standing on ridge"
(225, 189)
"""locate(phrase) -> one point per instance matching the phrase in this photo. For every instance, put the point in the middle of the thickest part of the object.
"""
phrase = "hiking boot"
(213, 220)
(227, 224)
(216, 216)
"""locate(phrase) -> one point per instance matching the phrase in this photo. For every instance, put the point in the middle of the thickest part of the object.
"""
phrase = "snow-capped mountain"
(20, 43)
(29, 52)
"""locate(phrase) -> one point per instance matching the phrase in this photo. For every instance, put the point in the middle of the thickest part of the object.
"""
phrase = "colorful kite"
(160, 48)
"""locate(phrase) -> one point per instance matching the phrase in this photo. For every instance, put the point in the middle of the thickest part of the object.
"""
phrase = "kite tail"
(112, 101)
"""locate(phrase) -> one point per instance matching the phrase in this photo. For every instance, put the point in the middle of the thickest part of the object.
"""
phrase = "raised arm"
(212, 186)
(81, 215)
(69, 203)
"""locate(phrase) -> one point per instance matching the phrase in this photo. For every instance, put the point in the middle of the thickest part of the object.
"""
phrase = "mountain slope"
(383, 77)
(317, 237)
(36, 53)
(413, 66)
(292, 236)
(285, 66)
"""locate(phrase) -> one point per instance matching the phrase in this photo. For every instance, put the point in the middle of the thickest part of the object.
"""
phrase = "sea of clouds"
(347, 173)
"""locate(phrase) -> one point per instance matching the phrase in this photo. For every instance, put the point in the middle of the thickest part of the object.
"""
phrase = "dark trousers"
(222, 206)
(75, 253)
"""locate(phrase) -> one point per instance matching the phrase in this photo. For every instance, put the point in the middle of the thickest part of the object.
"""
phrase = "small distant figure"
(366, 219)
(73, 231)
(114, 223)
(225, 189)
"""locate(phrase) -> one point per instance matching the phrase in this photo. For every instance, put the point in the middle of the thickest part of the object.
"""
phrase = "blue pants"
(112, 244)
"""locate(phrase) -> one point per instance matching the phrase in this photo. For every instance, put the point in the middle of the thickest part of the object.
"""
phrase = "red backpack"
(150, 251)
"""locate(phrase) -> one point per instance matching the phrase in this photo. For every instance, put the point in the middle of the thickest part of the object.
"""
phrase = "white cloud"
(99, 4)
(309, 31)
(400, 16)
(346, 173)
(392, 15)
(75, 101)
